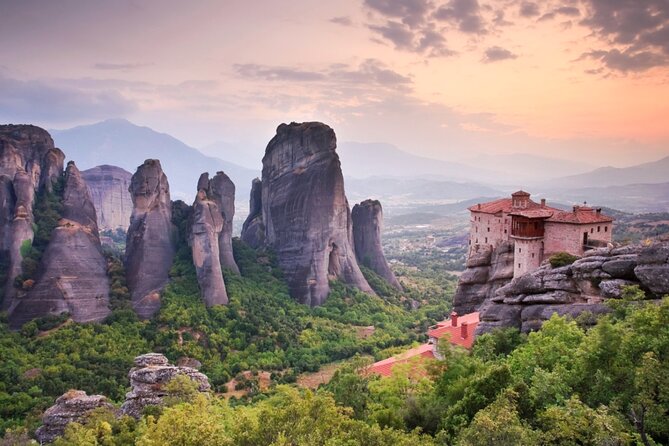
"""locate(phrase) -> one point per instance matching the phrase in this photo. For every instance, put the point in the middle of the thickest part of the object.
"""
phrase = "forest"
(575, 382)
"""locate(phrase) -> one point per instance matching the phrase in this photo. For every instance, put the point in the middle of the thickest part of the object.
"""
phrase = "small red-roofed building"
(459, 330)
(536, 229)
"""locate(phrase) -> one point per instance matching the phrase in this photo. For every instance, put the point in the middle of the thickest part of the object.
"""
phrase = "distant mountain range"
(646, 173)
(121, 143)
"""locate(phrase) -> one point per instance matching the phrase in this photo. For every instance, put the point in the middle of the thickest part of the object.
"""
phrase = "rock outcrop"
(206, 227)
(585, 285)
(253, 230)
(367, 225)
(108, 186)
(306, 217)
(71, 407)
(73, 271)
(221, 190)
(148, 379)
(487, 270)
(150, 244)
(29, 163)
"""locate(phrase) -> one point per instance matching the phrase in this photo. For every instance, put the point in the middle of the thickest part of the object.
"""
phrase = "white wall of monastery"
(527, 256)
(488, 229)
(569, 237)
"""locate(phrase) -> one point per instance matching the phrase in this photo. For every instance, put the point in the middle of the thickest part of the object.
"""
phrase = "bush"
(562, 259)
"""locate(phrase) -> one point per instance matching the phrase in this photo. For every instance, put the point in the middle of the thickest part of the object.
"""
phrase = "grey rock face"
(527, 301)
(150, 243)
(148, 379)
(29, 163)
(73, 271)
(221, 190)
(108, 186)
(71, 407)
(253, 231)
(367, 225)
(487, 271)
(206, 227)
(305, 212)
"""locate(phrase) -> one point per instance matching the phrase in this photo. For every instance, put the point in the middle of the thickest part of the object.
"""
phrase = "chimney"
(575, 209)
(543, 202)
(478, 206)
(463, 330)
(454, 319)
(599, 211)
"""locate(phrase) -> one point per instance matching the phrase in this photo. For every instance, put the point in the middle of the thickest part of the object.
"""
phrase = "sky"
(586, 80)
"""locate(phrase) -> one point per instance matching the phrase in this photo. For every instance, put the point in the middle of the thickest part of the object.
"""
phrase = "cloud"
(52, 102)
(496, 54)
(529, 9)
(118, 66)
(635, 32)
(624, 61)
(570, 11)
(369, 72)
(410, 12)
(465, 13)
(343, 20)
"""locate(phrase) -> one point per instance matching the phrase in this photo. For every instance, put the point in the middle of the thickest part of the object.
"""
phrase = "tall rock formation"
(206, 227)
(527, 301)
(109, 186)
(253, 230)
(72, 274)
(148, 378)
(150, 243)
(367, 225)
(305, 212)
(221, 190)
(29, 164)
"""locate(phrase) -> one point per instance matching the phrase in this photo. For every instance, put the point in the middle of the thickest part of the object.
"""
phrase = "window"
(599, 228)
(606, 229)
(532, 255)
(519, 265)
(520, 250)
(486, 239)
(477, 229)
(470, 243)
(488, 229)
(477, 240)
(505, 231)
(592, 230)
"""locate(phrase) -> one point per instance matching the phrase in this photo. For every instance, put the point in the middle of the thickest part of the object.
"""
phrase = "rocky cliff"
(306, 217)
(206, 227)
(221, 190)
(72, 407)
(72, 274)
(367, 220)
(150, 242)
(585, 285)
(253, 230)
(148, 378)
(29, 163)
(108, 186)
(487, 270)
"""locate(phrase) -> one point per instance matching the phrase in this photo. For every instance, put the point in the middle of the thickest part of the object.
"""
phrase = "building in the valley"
(536, 229)
(459, 330)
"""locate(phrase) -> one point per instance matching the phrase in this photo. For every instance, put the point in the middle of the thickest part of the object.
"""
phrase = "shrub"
(562, 259)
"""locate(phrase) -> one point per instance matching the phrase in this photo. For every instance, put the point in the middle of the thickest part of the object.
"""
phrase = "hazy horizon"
(580, 80)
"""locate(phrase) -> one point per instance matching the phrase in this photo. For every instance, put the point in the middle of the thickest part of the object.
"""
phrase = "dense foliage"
(562, 259)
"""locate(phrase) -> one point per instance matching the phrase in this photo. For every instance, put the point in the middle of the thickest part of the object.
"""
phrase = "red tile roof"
(385, 367)
(505, 205)
(544, 212)
(580, 215)
(454, 333)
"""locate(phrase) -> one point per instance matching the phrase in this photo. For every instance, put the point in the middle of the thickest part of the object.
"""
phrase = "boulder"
(367, 226)
(150, 244)
(305, 212)
(108, 186)
(72, 407)
(148, 379)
